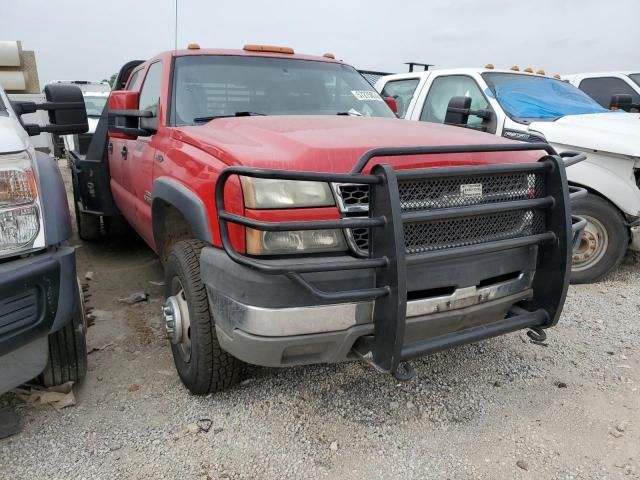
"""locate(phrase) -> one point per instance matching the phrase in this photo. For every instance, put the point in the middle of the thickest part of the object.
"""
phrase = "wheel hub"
(592, 247)
(175, 312)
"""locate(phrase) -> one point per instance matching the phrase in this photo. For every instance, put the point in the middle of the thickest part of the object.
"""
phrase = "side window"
(443, 89)
(402, 91)
(150, 93)
(135, 80)
(602, 89)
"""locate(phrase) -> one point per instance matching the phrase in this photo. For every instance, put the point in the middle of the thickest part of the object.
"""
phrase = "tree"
(112, 80)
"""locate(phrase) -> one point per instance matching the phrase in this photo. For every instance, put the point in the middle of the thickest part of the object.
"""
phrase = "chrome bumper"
(279, 322)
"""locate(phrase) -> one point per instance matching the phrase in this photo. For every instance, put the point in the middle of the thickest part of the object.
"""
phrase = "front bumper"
(38, 296)
(403, 300)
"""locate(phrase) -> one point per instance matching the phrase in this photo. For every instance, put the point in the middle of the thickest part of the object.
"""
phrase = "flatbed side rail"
(389, 256)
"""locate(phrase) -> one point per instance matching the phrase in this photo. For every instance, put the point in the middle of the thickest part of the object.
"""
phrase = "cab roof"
(243, 53)
(460, 71)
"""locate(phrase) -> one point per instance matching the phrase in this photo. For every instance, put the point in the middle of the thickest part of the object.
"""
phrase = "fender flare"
(185, 201)
(622, 193)
(53, 200)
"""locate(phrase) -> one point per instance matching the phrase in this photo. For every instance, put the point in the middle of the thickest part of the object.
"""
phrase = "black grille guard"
(389, 259)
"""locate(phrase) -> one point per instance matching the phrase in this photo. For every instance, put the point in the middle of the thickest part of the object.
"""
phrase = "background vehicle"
(620, 90)
(286, 201)
(536, 108)
(42, 326)
(95, 99)
(19, 78)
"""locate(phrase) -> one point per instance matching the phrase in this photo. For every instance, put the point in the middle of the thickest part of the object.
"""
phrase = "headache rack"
(524, 204)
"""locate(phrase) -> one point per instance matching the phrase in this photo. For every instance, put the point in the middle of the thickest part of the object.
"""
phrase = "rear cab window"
(603, 88)
(135, 80)
(402, 91)
(150, 93)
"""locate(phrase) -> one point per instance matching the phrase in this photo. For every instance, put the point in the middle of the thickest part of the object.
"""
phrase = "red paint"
(195, 155)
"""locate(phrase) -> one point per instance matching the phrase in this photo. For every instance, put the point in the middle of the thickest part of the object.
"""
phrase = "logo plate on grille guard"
(471, 190)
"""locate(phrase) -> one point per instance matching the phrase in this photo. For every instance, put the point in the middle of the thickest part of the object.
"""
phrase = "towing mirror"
(67, 112)
(393, 105)
(623, 101)
(458, 111)
(124, 117)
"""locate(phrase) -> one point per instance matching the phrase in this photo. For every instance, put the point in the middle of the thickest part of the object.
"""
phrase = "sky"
(90, 40)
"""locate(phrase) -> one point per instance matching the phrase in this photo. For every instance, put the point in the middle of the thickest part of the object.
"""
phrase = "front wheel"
(604, 242)
(201, 363)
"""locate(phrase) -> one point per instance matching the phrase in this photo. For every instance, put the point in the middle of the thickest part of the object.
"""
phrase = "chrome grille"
(453, 192)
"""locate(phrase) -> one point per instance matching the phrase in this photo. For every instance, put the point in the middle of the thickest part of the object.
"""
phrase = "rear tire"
(604, 242)
(88, 225)
(67, 352)
(202, 364)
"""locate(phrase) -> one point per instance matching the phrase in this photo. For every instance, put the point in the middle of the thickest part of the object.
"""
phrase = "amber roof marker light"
(193, 46)
(268, 48)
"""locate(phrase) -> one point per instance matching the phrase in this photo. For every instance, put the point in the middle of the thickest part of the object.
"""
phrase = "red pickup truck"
(299, 221)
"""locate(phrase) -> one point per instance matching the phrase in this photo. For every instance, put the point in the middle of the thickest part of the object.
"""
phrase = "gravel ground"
(501, 409)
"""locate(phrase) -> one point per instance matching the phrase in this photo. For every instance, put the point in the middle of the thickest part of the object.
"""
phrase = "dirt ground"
(501, 409)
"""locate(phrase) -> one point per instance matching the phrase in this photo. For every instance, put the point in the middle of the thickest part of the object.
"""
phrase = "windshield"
(207, 86)
(94, 105)
(635, 77)
(527, 97)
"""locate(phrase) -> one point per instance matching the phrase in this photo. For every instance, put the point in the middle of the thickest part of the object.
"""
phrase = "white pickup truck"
(604, 87)
(534, 107)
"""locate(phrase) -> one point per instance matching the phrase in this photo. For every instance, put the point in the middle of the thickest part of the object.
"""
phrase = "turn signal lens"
(17, 183)
(300, 241)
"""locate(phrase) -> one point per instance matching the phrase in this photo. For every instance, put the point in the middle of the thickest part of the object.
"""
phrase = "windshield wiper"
(351, 113)
(237, 114)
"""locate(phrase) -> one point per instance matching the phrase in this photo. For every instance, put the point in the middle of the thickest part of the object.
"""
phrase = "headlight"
(20, 221)
(281, 243)
(263, 193)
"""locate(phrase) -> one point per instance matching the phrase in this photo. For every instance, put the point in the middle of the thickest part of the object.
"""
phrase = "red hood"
(334, 143)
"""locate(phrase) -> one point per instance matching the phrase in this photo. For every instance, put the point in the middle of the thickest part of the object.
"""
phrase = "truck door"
(117, 160)
(138, 157)
(444, 88)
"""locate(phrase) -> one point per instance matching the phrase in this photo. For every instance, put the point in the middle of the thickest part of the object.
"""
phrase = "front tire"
(604, 242)
(202, 365)
(67, 352)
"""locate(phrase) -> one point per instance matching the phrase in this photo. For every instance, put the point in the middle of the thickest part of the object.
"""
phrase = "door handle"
(124, 152)
(110, 148)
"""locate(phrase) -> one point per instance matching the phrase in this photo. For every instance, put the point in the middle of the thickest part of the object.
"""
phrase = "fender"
(168, 191)
(615, 182)
(53, 198)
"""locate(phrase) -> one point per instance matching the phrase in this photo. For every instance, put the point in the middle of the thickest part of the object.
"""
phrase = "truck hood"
(13, 138)
(614, 132)
(334, 143)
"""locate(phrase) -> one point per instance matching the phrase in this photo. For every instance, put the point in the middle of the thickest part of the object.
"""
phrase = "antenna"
(175, 29)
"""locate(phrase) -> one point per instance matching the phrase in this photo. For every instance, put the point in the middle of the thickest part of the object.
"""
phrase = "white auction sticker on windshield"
(366, 95)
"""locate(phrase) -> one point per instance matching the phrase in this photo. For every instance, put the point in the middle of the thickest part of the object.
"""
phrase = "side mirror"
(458, 111)
(124, 116)
(67, 112)
(623, 101)
(393, 105)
